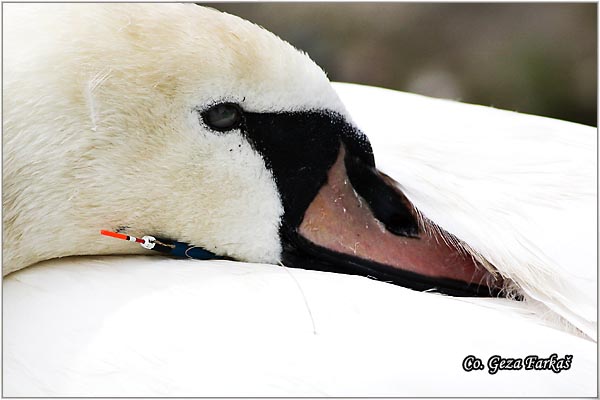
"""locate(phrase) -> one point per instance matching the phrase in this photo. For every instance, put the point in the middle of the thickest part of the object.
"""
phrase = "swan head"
(187, 123)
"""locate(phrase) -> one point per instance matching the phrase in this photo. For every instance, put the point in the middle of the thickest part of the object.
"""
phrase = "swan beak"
(360, 223)
(342, 215)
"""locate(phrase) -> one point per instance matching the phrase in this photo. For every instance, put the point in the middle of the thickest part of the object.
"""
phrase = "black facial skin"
(300, 148)
(297, 152)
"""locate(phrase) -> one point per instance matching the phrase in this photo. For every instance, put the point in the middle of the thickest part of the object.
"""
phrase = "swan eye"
(223, 116)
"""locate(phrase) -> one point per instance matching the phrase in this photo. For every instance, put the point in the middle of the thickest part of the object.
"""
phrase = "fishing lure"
(168, 247)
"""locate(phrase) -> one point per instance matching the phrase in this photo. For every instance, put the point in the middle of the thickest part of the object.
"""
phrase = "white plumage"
(516, 191)
(147, 326)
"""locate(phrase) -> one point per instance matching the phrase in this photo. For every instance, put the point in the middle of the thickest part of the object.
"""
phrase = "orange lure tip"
(114, 234)
(121, 236)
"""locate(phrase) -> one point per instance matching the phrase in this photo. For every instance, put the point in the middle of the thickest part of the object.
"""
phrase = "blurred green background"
(537, 58)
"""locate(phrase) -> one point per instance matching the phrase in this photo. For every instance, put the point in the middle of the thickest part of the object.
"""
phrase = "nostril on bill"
(387, 204)
(399, 225)
(339, 233)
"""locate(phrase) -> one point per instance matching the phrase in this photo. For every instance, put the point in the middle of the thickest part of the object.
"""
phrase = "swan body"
(117, 134)
(518, 189)
(150, 326)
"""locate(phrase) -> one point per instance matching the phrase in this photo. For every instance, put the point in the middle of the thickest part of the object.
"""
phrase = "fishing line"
(168, 247)
(312, 320)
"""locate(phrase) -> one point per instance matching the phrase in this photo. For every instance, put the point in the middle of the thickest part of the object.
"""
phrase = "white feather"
(149, 326)
(93, 84)
(518, 190)
(101, 120)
